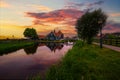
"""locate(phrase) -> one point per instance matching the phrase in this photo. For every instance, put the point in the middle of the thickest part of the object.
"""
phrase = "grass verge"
(10, 46)
(87, 62)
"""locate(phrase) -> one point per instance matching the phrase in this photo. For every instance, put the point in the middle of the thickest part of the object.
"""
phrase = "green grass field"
(9, 46)
(87, 62)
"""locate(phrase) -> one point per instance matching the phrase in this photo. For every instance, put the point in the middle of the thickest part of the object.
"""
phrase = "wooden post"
(100, 38)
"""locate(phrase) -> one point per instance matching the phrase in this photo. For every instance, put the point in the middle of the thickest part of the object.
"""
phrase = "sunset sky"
(47, 15)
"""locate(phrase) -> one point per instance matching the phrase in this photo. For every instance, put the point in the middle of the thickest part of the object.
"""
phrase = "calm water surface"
(31, 60)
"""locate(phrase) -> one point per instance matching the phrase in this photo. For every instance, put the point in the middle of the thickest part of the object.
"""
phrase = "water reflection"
(31, 49)
(54, 46)
(19, 65)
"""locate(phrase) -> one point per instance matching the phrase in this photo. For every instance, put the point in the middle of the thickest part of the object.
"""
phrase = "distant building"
(53, 35)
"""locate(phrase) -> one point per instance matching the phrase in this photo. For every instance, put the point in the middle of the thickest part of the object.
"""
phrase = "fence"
(114, 41)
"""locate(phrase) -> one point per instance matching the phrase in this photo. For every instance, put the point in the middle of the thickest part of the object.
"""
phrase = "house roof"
(59, 33)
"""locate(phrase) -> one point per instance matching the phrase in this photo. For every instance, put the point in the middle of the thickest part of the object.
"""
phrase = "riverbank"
(87, 62)
(9, 46)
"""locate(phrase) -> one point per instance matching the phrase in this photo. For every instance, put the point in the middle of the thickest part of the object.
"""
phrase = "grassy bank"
(9, 46)
(87, 62)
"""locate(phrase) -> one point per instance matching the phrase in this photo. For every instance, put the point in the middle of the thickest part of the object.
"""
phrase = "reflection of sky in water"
(19, 65)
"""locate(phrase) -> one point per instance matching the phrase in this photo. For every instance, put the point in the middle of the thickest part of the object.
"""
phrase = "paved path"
(110, 47)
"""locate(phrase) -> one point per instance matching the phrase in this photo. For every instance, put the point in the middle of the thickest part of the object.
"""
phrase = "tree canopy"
(90, 23)
(30, 33)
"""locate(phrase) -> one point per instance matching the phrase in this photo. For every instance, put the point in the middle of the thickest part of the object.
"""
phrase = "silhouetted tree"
(90, 24)
(31, 49)
(30, 33)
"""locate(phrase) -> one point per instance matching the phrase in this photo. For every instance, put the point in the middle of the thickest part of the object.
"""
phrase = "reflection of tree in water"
(54, 46)
(31, 49)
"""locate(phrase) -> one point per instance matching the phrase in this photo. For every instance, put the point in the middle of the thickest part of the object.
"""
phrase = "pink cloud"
(56, 16)
(111, 27)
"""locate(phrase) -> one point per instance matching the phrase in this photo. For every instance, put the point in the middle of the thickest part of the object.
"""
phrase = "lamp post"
(100, 23)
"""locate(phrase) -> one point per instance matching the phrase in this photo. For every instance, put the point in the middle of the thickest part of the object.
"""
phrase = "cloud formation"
(75, 5)
(111, 27)
(62, 16)
(95, 3)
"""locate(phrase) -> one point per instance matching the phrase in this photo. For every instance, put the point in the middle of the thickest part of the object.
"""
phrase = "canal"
(30, 61)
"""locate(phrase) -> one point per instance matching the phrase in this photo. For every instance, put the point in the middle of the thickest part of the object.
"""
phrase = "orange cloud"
(4, 4)
(115, 14)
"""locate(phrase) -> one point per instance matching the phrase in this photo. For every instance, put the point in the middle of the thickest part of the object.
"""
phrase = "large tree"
(30, 33)
(90, 24)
